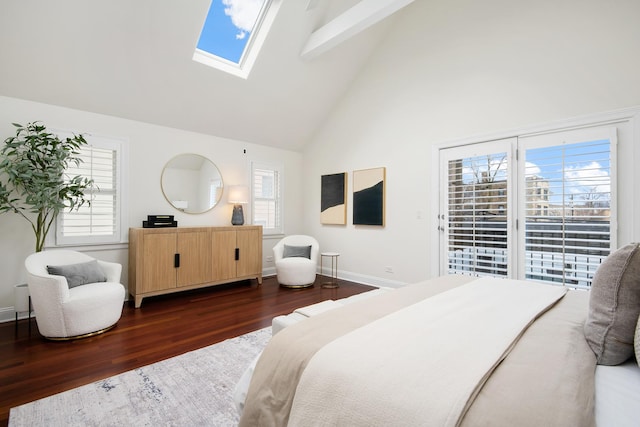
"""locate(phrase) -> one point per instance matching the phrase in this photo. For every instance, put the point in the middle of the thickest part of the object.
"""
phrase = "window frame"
(120, 146)
(502, 146)
(554, 139)
(279, 199)
(252, 48)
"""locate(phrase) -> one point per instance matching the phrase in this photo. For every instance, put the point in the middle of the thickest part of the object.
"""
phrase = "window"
(538, 207)
(477, 237)
(566, 240)
(99, 222)
(267, 198)
(233, 33)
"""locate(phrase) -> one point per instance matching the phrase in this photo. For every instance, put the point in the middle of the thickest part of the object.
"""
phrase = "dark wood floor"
(32, 367)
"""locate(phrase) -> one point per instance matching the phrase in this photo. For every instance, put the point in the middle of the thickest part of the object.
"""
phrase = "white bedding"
(618, 395)
(434, 355)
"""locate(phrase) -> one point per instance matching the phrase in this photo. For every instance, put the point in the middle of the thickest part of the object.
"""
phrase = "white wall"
(150, 147)
(452, 70)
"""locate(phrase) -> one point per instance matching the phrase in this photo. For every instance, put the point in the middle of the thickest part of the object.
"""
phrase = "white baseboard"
(7, 314)
(267, 272)
(352, 277)
(370, 280)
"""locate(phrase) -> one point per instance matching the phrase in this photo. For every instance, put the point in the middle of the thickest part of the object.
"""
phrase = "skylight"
(233, 33)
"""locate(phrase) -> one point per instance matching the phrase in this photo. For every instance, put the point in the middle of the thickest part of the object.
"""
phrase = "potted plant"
(33, 182)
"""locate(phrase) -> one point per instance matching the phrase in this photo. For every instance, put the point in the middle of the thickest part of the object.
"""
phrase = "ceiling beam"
(311, 4)
(350, 23)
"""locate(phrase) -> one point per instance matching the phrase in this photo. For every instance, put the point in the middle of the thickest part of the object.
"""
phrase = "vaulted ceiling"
(133, 59)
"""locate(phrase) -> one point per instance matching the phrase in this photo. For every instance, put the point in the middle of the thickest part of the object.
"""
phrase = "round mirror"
(191, 183)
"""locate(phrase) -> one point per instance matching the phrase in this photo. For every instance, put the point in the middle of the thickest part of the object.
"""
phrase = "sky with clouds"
(583, 170)
(228, 26)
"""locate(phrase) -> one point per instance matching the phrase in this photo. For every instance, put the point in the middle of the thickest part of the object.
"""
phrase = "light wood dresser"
(167, 260)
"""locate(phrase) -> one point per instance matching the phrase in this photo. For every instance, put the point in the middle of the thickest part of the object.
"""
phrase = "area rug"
(193, 389)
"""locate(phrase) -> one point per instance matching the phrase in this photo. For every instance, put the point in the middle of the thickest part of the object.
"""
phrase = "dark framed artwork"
(369, 196)
(333, 199)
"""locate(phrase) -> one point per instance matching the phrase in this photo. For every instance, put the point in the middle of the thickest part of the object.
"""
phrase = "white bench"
(280, 322)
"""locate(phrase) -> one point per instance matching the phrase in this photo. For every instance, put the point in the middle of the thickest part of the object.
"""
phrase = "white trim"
(351, 277)
(93, 247)
(595, 119)
(369, 280)
(8, 314)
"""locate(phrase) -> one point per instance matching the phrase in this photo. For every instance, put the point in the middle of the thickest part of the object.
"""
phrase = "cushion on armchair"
(79, 274)
(297, 251)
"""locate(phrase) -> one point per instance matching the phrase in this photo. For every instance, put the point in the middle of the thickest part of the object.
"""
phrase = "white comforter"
(420, 365)
(420, 355)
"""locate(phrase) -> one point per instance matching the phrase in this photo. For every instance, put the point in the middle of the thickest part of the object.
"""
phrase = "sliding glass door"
(539, 207)
(475, 216)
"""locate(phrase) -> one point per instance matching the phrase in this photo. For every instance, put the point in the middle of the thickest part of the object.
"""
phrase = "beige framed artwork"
(369, 197)
(333, 199)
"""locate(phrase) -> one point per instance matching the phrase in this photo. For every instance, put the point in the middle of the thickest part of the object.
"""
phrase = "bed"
(451, 351)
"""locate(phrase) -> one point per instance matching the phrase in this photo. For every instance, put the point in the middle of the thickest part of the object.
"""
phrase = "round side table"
(333, 283)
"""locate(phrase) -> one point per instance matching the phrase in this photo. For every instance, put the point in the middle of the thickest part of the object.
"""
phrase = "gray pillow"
(297, 251)
(614, 306)
(79, 274)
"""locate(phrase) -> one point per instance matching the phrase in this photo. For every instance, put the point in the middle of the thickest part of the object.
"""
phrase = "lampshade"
(238, 194)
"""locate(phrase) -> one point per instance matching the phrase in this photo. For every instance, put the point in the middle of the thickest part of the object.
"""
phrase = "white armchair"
(66, 313)
(293, 268)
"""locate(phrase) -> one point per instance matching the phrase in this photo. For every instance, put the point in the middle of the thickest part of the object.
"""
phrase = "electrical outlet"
(270, 258)
(388, 269)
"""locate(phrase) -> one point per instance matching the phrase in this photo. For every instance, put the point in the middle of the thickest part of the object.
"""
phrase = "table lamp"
(238, 194)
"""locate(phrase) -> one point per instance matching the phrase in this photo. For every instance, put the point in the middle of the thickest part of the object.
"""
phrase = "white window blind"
(477, 215)
(547, 214)
(267, 198)
(99, 221)
(568, 210)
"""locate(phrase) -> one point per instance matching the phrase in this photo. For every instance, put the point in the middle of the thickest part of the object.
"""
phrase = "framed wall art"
(369, 196)
(333, 199)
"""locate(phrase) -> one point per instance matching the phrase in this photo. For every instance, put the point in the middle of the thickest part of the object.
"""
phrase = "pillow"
(297, 251)
(636, 342)
(79, 274)
(614, 306)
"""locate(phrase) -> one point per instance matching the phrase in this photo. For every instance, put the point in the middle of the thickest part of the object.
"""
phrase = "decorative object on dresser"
(238, 194)
(159, 221)
(167, 260)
